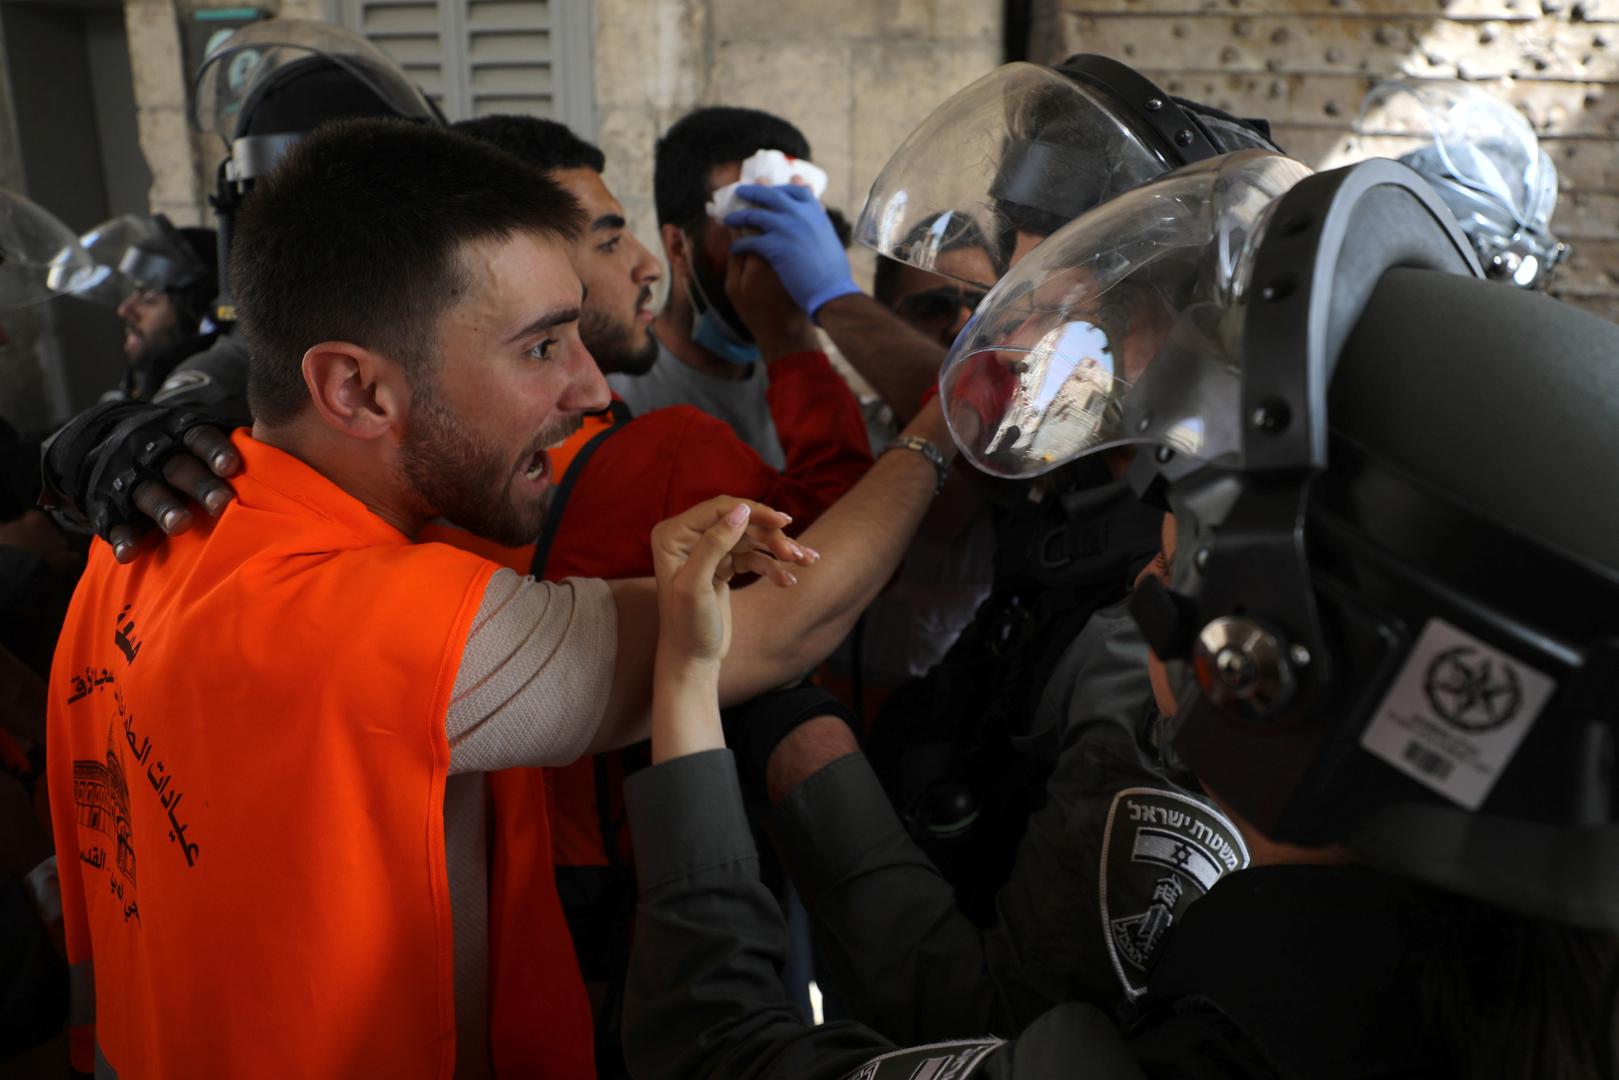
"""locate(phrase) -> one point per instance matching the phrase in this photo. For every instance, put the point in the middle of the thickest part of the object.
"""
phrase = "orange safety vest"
(247, 758)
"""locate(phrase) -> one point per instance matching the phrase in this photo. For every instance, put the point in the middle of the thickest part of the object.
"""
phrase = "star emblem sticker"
(1470, 691)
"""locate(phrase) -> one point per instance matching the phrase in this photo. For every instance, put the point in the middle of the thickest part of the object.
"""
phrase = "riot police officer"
(259, 92)
(1004, 761)
(162, 280)
(1483, 158)
(1382, 626)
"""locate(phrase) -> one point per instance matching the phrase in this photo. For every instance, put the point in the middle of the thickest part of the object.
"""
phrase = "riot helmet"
(1027, 148)
(39, 256)
(1389, 621)
(1483, 158)
(1066, 355)
(134, 252)
(271, 83)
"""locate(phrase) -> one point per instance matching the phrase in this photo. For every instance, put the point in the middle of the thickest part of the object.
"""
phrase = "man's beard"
(467, 481)
(150, 348)
(619, 349)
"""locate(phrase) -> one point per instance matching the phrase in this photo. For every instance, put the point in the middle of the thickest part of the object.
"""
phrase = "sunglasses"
(939, 306)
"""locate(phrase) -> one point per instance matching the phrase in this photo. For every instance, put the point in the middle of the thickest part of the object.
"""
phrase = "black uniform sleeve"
(94, 463)
(890, 937)
(213, 381)
(705, 997)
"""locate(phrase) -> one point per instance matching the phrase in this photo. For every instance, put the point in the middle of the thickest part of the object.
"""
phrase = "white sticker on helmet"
(1456, 713)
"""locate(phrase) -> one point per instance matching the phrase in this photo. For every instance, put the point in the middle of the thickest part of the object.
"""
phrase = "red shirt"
(666, 461)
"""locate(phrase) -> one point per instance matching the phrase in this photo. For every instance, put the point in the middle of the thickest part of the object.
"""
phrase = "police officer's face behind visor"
(511, 383)
(938, 304)
(150, 322)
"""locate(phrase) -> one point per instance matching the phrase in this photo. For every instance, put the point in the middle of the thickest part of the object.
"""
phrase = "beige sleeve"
(535, 674)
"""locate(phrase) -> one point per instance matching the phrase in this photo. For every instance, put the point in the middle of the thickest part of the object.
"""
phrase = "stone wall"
(1306, 64)
(182, 161)
(855, 75)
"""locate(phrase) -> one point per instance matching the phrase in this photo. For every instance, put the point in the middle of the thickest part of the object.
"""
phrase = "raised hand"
(695, 555)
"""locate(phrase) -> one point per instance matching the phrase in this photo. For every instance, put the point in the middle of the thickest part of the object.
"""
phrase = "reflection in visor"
(1112, 331)
(1000, 165)
(1026, 405)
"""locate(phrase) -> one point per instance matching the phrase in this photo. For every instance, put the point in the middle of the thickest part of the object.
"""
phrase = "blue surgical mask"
(716, 333)
(711, 332)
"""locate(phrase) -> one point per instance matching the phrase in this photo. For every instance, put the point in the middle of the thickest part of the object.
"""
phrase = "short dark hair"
(703, 139)
(356, 236)
(543, 144)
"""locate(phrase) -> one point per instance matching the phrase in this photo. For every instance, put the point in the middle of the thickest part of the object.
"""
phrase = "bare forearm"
(899, 363)
(685, 707)
(806, 750)
(793, 336)
(625, 720)
(779, 633)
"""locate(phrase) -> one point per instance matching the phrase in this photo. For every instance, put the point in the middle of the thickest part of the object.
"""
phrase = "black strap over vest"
(597, 901)
(621, 415)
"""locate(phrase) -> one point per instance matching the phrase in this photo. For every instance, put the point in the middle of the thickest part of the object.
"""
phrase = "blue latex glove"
(797, 239)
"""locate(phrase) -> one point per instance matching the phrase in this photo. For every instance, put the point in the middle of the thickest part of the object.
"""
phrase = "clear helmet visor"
(254, 58)
(132, 252)
(39, 256)
(999, 166)
(1473, 139)
(1112, 331)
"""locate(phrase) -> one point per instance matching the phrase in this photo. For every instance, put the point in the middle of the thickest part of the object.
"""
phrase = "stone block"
(970, 20)
(897, 84)
(820, 20)
(626, 137)
(806, 82)
(166, 145)
(650, 52)
(156, 66)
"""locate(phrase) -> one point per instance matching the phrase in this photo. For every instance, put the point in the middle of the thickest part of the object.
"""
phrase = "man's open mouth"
(539, 463)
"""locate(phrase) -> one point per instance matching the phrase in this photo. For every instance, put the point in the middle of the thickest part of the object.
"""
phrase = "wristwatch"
(927, 450)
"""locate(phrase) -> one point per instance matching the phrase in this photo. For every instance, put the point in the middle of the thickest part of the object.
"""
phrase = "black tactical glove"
(112, 467)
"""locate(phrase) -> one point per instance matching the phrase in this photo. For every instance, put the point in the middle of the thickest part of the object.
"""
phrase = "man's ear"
(355, 390)
(676, 249)
(677, 253)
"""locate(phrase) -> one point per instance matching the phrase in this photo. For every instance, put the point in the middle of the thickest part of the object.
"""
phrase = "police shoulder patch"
(1161, 850)
(181, 382)
(939, 1061)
